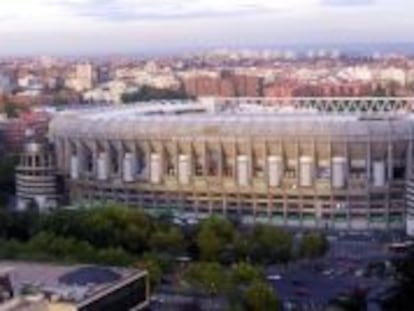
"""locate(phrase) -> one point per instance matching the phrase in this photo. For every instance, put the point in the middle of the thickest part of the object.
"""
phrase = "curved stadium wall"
(327, 163)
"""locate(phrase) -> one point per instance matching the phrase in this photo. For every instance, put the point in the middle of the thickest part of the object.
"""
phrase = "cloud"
(5, 18)
(88, 26)
(127, 10)
(348, 2)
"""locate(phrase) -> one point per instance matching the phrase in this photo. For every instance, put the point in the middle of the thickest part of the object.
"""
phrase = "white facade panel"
(74, 167)
(243, 170)
(102, 166)
(306, 171)
(128, 168)
(275, 172)
(184, 169)
(378, 168)
(155, 169)
(410, 226)
(338, 172)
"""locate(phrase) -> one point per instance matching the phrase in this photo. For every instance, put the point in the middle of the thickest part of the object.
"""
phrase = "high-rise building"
(84, 77)
(85, 74)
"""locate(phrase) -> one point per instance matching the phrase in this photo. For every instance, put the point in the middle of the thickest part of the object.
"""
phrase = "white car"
(274, 277)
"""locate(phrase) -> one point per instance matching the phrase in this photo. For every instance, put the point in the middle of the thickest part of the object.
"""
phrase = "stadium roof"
(224, 118)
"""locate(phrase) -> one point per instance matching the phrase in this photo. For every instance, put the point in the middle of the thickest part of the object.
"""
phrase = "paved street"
(312, 285)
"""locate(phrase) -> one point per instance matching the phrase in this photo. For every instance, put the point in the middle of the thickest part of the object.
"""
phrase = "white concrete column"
(184, 169)
(129, 167)
(102, 166)
(306, 171)
(155, 168)
(275, 170)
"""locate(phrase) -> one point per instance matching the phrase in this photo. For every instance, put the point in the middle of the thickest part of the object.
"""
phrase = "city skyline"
(163, 26)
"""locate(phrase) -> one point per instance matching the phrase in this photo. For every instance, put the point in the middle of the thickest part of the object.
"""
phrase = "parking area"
(354, 263)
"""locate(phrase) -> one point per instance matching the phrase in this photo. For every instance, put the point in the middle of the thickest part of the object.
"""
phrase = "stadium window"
(213, 162)
(114, 160)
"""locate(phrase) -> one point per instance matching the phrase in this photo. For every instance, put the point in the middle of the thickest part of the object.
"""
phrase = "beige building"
(340, 163)
(83, 78)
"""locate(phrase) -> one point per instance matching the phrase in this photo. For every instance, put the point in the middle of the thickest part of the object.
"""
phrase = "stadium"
(340, 163)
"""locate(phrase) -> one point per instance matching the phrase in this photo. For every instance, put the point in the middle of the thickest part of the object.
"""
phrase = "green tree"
(114, 256)
(260, 296)
(146, 93)
(59, 99)
(7, 181)
(168, 240)
(244, 274)
(154, 266)
(23, 225)
(208, 276)
(313, 245)
(11, 110)
(242, 246)
(214, 235)
(270, 244)
(103, 227)
(209, 244)
(4, 223)
(401, 298)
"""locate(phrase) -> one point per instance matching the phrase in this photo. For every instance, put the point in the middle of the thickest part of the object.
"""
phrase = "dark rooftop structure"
(82, 287)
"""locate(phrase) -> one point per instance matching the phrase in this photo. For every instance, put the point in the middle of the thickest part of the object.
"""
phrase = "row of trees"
(146, 93)
(49, 247)
(218, 239)
(214, 239)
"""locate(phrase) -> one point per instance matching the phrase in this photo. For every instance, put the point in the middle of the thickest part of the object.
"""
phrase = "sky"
(141, 26)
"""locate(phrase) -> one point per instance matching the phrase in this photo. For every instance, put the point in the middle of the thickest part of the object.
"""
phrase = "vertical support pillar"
(409, 174)
(409, 170)
(204, 155)
(234, 160)
(266, 179)
(347, 180)
(297, 154)
(332, 208)
(120, 160)
(368, 164)
(220, 164)
(369, 179)
(81, 157)
(69, 150)
(95, 155)
(107, 148)
(390, 166)
(147, 154)
(176, 155)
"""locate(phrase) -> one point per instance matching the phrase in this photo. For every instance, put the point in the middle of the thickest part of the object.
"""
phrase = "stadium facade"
(343, 163)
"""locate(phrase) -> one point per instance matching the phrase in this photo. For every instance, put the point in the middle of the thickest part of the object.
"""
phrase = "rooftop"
(75, 284)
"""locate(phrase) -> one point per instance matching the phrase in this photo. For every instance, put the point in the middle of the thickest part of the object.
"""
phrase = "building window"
(213, 162)
(88, 160)
(141, 162)
(169, 163)
(227, 165)
(198, 164)
(114, 160)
